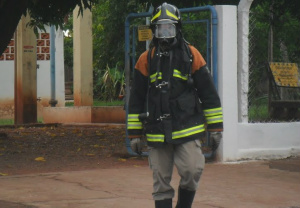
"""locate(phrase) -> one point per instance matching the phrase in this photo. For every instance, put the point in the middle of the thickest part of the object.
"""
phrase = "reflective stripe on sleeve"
(213, 112)
(214, 119)
(134, 125)
(133, 117)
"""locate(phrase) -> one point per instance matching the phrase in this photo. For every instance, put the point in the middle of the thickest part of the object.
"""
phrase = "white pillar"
(227, 71)
(60, 68)
(243, 58)
(25, 73)
(83, 58)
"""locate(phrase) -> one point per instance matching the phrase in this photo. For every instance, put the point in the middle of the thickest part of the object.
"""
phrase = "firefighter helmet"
(165, 21)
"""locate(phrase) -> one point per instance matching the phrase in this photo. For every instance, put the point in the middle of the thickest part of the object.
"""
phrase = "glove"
(215, 140)
(136, 145)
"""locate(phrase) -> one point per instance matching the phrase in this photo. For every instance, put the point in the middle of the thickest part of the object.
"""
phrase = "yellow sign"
(285, 74)
(144, 33)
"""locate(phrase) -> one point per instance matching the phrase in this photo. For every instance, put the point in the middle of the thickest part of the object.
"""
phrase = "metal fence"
(270, 44)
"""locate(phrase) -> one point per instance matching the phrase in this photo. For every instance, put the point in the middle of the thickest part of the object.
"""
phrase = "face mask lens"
(165, 31)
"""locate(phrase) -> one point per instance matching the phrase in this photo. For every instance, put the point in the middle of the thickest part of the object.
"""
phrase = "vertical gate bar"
(133, 52)
(52, 101)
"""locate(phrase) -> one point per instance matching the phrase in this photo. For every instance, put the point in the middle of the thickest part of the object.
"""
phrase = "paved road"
(259, 184)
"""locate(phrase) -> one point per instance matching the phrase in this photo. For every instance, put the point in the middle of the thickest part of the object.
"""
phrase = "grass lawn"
(101, 103)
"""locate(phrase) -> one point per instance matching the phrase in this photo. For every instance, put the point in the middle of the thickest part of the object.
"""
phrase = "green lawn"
(11, 121)
(258, 111)
(102, 103)
(6, 121)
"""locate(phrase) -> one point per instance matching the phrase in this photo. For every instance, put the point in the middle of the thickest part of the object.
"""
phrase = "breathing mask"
(165, 33)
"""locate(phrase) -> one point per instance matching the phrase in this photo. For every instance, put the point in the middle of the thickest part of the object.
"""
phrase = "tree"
(43, 12)
(191, 3)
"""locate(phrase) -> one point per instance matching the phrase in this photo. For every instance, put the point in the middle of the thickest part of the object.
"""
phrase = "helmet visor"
(165, 30)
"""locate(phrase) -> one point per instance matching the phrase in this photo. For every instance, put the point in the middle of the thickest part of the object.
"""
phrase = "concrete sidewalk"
(248, 184)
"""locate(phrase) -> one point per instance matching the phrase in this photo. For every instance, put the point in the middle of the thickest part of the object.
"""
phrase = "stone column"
(83, 58)
(25, 73)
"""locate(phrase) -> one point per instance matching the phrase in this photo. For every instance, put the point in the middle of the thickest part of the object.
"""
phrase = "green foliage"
(108, 31)
(6, 121)
(68, 41)
(258, 110)
(258, 113)
(45, 12)
(279, 15)
(101, 103)
(196, 33)
(110, 86)
(11, 121)
(285, 29)
(191, 3)
(108, 45)
(266, 16)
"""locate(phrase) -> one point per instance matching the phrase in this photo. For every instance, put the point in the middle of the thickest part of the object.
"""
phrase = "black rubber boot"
(185, 198)
(166, 203)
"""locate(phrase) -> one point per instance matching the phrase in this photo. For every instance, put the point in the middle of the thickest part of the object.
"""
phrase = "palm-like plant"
(112, 84)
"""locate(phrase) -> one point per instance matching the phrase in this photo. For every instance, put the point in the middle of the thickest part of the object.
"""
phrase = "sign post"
(144, 33)
(285, 74)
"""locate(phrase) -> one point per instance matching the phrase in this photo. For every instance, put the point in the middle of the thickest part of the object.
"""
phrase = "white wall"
(43, 78)
(6, 80)
(268, 140)
(243, 140)
(43, 75)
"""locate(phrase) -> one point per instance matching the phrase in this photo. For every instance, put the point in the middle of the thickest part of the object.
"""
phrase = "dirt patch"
(291, 164)
(52, 148)
(8, 204)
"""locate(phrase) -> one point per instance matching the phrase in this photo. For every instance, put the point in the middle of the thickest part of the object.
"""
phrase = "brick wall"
(42, 47)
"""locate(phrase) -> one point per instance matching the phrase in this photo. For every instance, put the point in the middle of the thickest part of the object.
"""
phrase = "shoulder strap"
(190, 80)
(149, 60)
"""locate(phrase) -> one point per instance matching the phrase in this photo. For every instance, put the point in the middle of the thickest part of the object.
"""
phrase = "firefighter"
(173, 102)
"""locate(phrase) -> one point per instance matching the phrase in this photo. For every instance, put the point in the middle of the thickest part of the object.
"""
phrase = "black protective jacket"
(178, 95)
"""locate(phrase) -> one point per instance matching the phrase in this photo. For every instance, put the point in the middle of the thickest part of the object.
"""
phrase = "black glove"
(215, 140)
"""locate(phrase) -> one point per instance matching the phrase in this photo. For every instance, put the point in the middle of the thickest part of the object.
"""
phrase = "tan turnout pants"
(189, 161)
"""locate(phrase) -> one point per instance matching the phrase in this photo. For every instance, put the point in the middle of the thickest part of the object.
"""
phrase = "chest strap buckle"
(164, 116)
(163, 83)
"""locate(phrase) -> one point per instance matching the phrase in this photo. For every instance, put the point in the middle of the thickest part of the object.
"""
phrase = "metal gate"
(200, 22)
